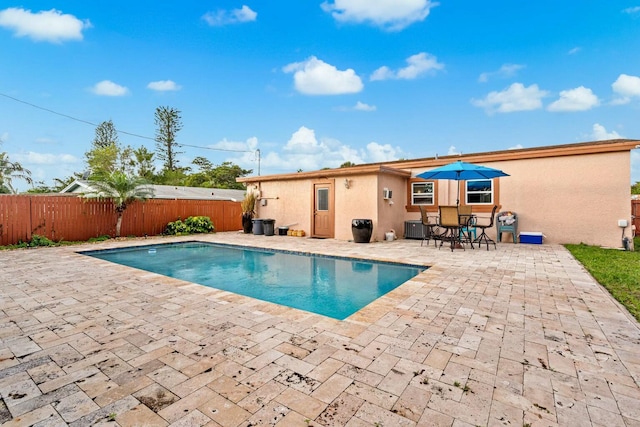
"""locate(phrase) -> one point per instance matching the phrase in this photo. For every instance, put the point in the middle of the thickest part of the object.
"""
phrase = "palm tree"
(122, 189)
(10, 170)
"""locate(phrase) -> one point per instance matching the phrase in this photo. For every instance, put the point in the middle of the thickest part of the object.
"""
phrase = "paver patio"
(521, 335)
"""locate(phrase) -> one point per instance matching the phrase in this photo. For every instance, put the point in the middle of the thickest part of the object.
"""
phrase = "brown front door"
(323, 214)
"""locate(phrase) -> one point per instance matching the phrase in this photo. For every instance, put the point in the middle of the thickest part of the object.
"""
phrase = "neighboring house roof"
(81, 186)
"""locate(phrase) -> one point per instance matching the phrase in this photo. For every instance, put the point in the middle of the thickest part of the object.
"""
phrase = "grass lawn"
(618, 271)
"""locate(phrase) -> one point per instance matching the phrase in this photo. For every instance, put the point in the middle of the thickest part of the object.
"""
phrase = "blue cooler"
(534, 237)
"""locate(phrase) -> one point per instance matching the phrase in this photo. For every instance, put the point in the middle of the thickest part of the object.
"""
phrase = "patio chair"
(429, 226)
(451, 222)
(507, 222)
(483, 225)
(467, 225)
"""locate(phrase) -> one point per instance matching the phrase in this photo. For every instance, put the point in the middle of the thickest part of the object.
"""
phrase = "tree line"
(107, 156)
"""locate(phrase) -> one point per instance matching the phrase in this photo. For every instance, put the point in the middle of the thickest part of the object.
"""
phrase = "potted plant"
(248, 205)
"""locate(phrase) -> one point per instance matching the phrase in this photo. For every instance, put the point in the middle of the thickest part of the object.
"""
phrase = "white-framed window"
(422, 193)
(479, 192)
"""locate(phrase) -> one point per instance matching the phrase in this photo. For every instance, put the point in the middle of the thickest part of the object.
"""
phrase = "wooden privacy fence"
(635, 212)
(73, 218)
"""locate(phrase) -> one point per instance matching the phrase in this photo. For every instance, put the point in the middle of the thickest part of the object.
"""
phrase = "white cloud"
(250, 144)
(34, 158)
(452, 151)
(305, 151)
(46, 166)
(303, 141)
(627, 87)
(575, 50)
(599, 133)
(632, 10)
(316, 77)
(419, 64)
(506, 71)
(164, 85)
(361, 106)
(516, 98)
(578, 99)
(244, 152)
(50, 26)
(381, 153)
(382, 73)
(620, 101)
(225, 17)
(515, 147)
(109, 88)
(392, 15)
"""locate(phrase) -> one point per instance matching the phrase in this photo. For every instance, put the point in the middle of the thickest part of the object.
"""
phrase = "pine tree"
(169, 123)
(106, 135)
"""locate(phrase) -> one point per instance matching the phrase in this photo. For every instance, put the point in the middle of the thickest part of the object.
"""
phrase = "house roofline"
(396, 167)
(76, 183)
(373, 168)
(581, 148)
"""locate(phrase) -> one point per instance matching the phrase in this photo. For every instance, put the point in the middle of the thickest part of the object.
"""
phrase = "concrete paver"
(513, 336)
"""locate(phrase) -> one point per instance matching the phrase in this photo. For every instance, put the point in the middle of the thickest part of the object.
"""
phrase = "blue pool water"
(331, 286)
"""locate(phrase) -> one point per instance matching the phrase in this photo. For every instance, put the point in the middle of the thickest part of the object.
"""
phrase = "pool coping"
(264, 249)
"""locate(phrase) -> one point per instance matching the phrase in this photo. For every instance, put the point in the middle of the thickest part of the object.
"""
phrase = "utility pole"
(258, 153)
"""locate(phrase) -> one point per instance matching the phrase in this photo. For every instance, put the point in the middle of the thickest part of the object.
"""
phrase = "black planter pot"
(247, 223)
(361, 230)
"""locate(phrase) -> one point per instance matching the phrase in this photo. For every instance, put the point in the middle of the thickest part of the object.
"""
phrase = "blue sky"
(314, 84)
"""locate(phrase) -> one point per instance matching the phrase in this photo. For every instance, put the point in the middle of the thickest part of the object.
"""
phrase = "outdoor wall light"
(347, 183)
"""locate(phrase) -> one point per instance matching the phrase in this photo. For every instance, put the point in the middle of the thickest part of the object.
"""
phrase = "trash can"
(361, 230)
(268, 226)
(257, 226)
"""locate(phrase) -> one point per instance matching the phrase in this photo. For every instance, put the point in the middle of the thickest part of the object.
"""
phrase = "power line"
(256, 152)
(217, 149)
(71, 117)
(120, 131)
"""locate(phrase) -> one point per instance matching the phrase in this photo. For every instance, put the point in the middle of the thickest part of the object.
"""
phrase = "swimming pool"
(331, 286)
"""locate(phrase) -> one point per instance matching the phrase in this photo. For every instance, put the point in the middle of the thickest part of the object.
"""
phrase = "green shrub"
(192, 225)
(98, 239)
(199, 224)
(176, 228)
(19, 245)
(37, 240)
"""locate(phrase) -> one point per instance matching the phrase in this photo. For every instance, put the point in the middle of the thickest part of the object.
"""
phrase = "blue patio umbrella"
(461, 171)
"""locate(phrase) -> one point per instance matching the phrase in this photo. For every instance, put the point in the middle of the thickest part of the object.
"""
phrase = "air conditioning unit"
(413, 230)
(387, 194)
